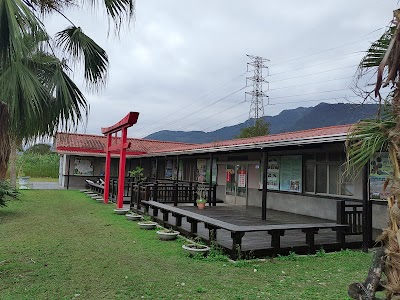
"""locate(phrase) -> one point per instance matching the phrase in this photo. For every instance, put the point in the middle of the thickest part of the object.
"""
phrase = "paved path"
(45, 186)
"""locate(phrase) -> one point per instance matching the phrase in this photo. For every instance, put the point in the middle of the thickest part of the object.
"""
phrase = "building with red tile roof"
(86, 144)
(95, 145)
(299, 172)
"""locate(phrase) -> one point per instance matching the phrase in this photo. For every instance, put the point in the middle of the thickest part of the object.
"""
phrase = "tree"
(40, 149)
(37, 95)
(260, 128)
(382, 134)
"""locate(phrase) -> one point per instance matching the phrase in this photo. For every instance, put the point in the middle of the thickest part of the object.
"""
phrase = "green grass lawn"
(63, 245)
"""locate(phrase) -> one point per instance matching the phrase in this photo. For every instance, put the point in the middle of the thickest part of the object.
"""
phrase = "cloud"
(181, 56)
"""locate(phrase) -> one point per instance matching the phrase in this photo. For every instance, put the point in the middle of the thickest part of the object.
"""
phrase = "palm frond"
(16, 21)
(80, 46)
(120, 11)
(24, 95)
(66, 105)
(49, 6)
(377, 50)
(364, 139)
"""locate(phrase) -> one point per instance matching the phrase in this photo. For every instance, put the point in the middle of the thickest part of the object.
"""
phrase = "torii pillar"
(122, 126)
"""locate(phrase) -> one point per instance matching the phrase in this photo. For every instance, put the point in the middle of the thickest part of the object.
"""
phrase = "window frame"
(314, 162)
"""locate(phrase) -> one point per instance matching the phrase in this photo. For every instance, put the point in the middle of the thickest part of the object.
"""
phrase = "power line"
(315, 73)
(213, 103)
(202, 120)
(195, 101)
(310, 83)
(310, 66)
(281, 97)
(307, 94)
(329, 49)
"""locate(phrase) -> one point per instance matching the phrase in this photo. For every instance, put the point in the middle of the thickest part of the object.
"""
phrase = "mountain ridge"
(301, 118)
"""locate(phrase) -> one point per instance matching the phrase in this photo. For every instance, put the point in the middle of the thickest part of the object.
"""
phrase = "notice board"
(380, 170)
(291, 173)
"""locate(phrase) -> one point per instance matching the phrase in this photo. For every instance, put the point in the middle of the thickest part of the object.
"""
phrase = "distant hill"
(301, 118)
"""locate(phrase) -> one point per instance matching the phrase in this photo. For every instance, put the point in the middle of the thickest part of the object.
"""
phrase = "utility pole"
(257, 94)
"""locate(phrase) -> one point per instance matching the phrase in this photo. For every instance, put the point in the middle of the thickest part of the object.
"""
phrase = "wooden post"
(215, 195)
(264, 189)
(138, 197)
(177, 169)
(175, 194)
(195, 195)
(210, 181)
(147, 193)
(341, 219)
(132, 198)
(190, 192)
(155, 191)
(156, 176)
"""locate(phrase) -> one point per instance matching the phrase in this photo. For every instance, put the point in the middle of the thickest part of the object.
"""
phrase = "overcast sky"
(182, 64)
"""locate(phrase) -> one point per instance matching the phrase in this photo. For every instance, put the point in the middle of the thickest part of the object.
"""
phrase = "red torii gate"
(122, 126)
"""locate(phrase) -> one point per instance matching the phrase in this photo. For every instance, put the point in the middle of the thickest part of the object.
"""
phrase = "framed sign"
(273, 173)
(242, 178)
(83, 167)
(291, 173)
(380, 170)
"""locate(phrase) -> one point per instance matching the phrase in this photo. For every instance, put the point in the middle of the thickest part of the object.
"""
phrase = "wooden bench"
(98, 188)
(237, 232)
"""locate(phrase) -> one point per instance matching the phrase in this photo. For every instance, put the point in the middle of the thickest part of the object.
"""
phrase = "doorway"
(236, 184)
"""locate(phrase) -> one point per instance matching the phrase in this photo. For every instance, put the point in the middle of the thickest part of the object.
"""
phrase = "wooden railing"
(170, 193)
(350, 214)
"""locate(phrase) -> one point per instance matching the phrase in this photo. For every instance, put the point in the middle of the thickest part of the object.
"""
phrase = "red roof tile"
(287, 136)
(85, 143)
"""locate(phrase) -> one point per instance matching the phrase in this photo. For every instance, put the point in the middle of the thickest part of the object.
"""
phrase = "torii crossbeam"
(121, 146)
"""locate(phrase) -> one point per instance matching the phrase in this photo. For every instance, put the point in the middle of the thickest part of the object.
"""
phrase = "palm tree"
(37, 95)
(383, 134)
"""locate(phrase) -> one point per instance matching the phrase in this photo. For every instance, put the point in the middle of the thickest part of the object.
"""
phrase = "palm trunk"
(5, 140)
(13, 161)
(391, 235)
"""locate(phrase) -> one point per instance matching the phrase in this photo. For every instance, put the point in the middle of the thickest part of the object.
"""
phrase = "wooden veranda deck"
(243, 225)
(258, 244)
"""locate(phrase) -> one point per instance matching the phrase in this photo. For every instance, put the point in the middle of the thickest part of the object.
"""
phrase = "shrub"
(38, 165)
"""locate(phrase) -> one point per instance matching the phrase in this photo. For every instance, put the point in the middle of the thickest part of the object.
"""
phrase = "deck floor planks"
(252, 241)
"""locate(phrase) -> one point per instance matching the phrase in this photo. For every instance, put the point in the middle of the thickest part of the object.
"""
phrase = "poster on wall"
(380, 170)
(273, 173)
(242, 178)
(83, 167)
(214, 171)
(169, 166)
(201, 170)
(291, 173)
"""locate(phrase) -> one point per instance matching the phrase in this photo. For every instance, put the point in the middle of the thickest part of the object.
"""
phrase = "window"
(324, 175)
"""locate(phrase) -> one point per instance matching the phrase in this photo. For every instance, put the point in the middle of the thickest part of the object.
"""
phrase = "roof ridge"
(80, 134)
(131, 138)
(288, 132)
